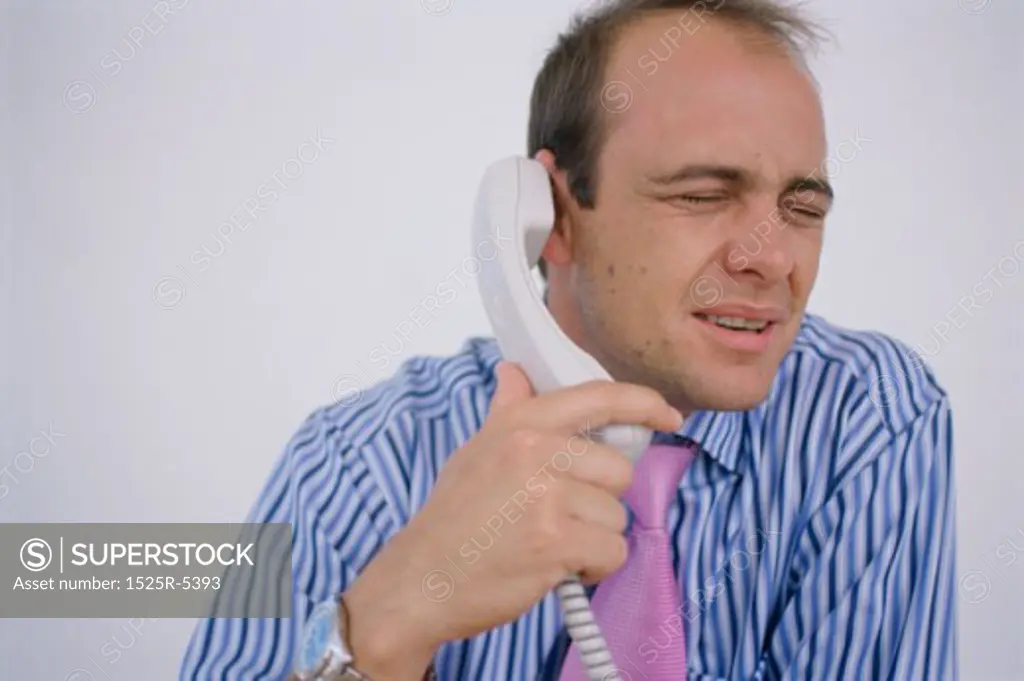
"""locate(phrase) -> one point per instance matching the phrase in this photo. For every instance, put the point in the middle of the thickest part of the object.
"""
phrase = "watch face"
(317, 637)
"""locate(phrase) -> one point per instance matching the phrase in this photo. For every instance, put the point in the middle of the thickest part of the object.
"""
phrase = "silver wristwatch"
(324, 653)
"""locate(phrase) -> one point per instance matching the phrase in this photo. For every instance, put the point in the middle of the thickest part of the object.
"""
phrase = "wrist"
(385, 643)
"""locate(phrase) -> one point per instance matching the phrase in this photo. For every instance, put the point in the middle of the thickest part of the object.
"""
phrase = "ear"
(558, 249)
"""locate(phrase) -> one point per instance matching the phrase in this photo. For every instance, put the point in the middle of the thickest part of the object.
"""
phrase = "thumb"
(513, 386)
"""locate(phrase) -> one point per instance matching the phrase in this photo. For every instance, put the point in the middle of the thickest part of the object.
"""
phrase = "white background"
(112, 180)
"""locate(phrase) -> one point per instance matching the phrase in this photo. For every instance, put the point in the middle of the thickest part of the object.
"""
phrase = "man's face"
(699, 223)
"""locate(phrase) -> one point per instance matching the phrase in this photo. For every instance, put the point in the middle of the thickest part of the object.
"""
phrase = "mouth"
(747, 331)
(741, 324)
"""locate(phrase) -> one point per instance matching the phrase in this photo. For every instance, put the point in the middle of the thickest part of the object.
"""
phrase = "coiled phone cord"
(583, 629)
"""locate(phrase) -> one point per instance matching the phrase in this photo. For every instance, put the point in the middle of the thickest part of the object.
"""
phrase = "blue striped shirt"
(814, 534)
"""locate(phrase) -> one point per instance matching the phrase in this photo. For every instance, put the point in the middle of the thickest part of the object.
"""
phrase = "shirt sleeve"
(306, 477)
(872, 587)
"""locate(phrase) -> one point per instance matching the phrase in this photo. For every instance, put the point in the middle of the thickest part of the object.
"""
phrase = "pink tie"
(638, 607)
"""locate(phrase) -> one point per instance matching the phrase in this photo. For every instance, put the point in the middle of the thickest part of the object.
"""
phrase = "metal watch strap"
(353, 674)
(349, 672)
(429, 675)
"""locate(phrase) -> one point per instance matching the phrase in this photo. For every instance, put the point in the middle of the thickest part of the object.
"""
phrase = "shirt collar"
(717, 433)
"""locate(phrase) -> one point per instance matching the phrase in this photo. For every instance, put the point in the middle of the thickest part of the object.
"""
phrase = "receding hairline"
(771, 24)
(751, 36)
(576, 68)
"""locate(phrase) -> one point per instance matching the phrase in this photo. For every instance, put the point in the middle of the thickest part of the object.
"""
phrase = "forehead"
(687, 91)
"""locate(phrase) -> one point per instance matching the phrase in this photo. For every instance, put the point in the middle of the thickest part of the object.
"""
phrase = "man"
(811, 536)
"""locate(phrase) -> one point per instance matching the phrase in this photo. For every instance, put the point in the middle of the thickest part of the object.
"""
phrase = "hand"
(527, 501)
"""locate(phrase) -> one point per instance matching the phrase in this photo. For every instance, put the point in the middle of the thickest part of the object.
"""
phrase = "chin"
(729, 400)
(738, 389)
(717, 377)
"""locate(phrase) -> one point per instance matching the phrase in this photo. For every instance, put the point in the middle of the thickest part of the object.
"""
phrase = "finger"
(594, 506)
(595, 404)
(593, 552)
(513, 386)
(585, 461)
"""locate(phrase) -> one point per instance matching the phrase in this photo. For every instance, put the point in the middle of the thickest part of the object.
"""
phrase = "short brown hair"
(565, 112)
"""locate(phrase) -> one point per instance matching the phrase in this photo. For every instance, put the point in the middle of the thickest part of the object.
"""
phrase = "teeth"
(738, 323)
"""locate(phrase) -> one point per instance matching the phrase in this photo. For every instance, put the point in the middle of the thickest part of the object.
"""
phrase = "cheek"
(807, 257)
(644, 258)
(614, 252)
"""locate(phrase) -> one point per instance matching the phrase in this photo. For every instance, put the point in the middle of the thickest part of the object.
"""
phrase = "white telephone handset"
(514, 206)
(514, 202)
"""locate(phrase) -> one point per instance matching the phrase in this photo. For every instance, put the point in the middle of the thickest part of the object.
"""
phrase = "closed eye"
(689, 198)
(805, 211)
(809, 213)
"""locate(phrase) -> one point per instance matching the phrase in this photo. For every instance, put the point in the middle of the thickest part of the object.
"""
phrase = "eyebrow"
(812, 184)
(738, 175)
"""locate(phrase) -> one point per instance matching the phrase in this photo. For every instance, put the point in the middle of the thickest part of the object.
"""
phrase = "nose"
(760, 245)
